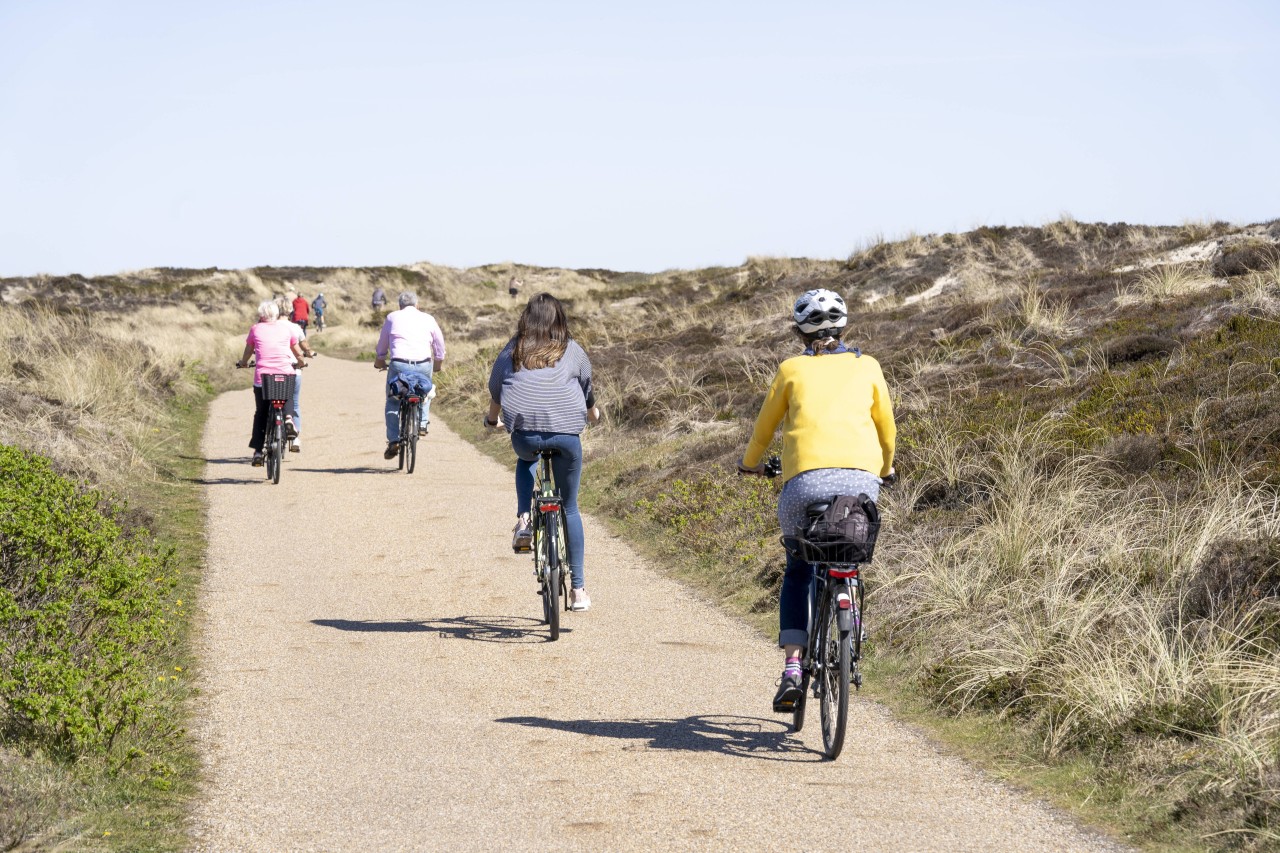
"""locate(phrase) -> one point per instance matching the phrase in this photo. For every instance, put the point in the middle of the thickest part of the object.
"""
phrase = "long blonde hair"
(542, 335)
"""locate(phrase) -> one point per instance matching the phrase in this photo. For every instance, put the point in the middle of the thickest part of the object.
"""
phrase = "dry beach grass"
(1084, 543)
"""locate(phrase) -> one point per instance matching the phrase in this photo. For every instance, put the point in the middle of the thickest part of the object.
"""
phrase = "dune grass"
(1077, 584)
(1079, 553)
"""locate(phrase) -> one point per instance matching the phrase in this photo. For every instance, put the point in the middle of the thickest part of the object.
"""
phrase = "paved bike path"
(376, 677)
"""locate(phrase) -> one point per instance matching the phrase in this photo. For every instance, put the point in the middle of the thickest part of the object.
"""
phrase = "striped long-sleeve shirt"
(548, 399)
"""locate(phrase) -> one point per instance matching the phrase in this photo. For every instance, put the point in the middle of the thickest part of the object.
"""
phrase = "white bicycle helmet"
(820, 311)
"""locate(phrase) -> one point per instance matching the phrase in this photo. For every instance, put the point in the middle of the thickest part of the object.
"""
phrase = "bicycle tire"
(552, 588)
(275, 449)
(833, 647)
(413, 417)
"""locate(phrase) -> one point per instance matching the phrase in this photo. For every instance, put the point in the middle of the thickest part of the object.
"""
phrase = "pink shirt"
(411, 335)
(271, 342)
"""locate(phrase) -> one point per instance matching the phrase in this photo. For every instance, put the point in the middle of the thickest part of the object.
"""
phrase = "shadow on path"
(229, 460)
(224, 481)
(485, 629)
(356, 470)
(747, 737)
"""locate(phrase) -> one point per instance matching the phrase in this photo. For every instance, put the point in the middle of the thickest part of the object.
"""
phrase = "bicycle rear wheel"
(551, 590)
(412, 452)
(833, 648)
(275, 448)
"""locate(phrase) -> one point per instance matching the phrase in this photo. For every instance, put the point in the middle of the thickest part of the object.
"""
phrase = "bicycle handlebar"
(773, 468)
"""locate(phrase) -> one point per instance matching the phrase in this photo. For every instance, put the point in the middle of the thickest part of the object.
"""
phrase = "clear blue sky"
(640, 136)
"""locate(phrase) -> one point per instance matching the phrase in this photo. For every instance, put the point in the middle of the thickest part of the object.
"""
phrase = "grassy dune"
(1084, 542)
(1081, 561)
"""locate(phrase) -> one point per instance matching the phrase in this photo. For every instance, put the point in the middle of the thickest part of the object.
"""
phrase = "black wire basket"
(277, 386)
(840, 553)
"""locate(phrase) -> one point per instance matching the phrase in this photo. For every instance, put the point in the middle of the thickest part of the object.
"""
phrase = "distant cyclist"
(274, 348)
(540, 384)
(413, 341)
(301, 312)
(378, 300)
(837, 439)
(317, 307)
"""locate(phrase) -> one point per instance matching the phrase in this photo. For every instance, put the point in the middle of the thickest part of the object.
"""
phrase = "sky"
(639, 136)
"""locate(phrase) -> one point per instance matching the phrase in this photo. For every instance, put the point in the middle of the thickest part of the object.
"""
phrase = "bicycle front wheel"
(833, 649)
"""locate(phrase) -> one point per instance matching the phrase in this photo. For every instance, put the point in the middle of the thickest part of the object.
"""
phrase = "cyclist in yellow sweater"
(837, 439)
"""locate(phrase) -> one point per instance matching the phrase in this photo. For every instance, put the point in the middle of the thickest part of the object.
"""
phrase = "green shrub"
(82, 610)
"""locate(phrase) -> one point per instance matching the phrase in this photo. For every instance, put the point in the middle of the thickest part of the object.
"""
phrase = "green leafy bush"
(82, 610)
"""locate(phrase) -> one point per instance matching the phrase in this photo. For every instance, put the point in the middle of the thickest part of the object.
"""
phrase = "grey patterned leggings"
(821, 484)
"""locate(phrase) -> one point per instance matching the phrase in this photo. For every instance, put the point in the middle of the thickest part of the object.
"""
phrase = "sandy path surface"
(382, 682)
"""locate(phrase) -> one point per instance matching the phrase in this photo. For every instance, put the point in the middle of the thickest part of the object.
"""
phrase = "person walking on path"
(837, 439)
(513, 286)
(540, 384)
(295, 444)
(379, 300)
(413, 342)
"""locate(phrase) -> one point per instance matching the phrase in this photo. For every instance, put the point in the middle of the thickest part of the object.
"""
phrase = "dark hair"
(542, 335)
(820, 342)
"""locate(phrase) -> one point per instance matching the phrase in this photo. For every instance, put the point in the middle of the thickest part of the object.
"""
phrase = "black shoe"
(392, 451)
(789, 693)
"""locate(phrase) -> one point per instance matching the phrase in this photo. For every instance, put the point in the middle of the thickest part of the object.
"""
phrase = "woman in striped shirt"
(540, 385)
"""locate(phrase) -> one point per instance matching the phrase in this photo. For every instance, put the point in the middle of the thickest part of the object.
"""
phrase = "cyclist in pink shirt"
(274, 347)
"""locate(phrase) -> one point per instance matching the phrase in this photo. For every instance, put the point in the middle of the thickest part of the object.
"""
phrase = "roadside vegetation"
(1079, 579)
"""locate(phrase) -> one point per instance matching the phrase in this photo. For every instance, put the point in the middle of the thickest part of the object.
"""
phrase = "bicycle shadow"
(224, 481)
(484, 629)
(225, 460)
(744, 737)
(361, 469)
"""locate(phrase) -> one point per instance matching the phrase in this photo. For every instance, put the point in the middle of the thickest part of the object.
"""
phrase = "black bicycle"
(550, 564)
(410, 418)
(277, 389)
(833, 655)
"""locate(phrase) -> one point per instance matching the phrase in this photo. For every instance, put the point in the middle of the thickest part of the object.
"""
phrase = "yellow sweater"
(835, 413)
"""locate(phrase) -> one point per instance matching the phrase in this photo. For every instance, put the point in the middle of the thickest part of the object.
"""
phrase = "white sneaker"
(579, 600)
(295, 445)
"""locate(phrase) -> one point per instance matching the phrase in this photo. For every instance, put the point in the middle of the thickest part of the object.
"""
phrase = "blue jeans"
(566, 465)
(392, 411)
(819, 484)
(296, 411)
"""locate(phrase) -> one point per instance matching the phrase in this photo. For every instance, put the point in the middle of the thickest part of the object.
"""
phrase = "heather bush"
(83, 602)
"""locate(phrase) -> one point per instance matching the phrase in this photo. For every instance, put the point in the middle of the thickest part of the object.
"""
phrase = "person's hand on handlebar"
(757, 469)
(594, 415)
(380, 363)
